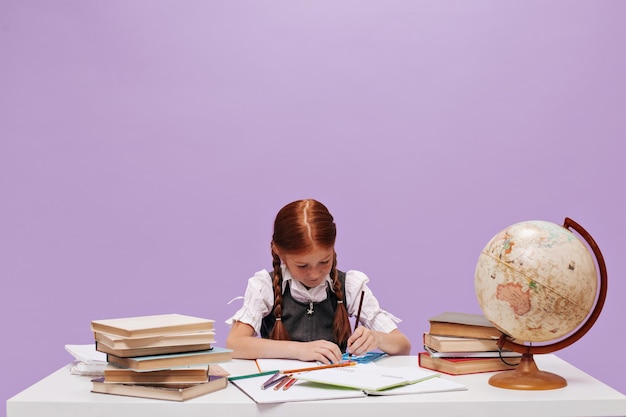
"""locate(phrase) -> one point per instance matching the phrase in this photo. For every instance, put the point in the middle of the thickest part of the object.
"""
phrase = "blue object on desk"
(365, 358)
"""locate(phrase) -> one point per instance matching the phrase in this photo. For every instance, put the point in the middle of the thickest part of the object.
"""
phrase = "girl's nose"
(318, 273)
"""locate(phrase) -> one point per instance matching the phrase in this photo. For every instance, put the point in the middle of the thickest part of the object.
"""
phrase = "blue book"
(172, 360)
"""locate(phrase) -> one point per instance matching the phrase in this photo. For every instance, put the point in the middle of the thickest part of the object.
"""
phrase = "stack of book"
(464, 343)
(162, 356)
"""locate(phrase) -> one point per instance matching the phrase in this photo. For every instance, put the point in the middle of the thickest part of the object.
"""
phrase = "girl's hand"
(319, 350)
(362, 341)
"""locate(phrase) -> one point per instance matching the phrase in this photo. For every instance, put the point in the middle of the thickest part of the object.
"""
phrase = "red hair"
(299, 227)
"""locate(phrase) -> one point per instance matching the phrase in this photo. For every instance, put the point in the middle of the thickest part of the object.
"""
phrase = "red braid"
(341, 322)
(279, 332)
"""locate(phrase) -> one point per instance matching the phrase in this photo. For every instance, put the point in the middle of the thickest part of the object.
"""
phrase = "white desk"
(63, 394)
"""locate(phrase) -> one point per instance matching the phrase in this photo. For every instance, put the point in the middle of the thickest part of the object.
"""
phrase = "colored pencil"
(289, 384)
(274, 382)
(283, 382)
(232, 378)
(273, 377)
(316, 368)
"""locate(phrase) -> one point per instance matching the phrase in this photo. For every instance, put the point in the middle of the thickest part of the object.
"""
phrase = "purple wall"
(145, 148)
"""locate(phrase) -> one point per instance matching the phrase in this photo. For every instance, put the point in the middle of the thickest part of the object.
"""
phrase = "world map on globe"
(536, 281)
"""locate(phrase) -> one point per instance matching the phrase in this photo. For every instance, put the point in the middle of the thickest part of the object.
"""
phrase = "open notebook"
(304, 390)
(368, 377)
(300, 391)
(426, 386)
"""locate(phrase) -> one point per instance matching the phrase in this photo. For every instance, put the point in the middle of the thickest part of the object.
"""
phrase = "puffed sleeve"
(257, 302)
(372, 315)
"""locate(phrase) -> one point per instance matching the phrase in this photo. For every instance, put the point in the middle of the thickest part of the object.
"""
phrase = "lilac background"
(145, 148)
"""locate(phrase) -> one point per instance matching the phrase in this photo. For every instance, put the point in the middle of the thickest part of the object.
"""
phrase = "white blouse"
(259, 300)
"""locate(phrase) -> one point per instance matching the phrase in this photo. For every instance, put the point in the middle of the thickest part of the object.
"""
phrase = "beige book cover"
(154, 325)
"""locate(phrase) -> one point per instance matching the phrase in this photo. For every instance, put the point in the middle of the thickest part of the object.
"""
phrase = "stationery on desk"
(252, 375)
(270, 365)
(290, 383)
(370, 379)
(317, 367)
(358, 316)
(367, 357)
(280, 381)
(427, 386)
(289, 380)
(244, 369)
(284, 378)
(298, 391)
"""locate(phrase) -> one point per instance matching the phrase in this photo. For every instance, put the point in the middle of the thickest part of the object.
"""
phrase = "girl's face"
(310, 268)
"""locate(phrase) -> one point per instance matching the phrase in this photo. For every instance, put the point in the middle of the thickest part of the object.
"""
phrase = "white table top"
(63, 394)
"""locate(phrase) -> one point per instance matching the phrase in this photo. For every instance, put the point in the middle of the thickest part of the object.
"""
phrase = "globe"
(537, 282)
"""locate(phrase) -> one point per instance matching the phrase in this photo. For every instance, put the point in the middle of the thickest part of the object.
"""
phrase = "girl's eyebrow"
(306, 263)
(299, 262)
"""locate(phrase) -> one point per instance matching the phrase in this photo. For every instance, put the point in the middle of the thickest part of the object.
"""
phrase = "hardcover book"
(463, 325)
(459, 344)
(148, 351)
(172, 360)
(175, 339)
(463, 366)
(183, 375)
(156, 325)
(485, 354)
(160, 392)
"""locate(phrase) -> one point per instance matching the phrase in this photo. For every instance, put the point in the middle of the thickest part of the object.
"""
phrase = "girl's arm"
(246, 345)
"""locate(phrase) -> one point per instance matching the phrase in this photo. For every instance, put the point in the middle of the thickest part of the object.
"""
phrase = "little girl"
(301, 308)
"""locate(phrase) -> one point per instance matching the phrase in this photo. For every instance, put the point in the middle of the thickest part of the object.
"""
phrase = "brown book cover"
(155, 325)
(172, 360)
(180, 392)
(456, 324)
(463, 366)
(183, 375)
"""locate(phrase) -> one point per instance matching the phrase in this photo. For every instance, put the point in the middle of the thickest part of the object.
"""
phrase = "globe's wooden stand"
(526, 376)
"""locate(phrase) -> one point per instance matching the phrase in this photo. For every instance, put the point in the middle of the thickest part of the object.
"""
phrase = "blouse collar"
(302, 293)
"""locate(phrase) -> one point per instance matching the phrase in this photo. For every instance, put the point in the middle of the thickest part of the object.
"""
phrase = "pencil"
(358, 315)
(233, 378)
(289, 384)
(315, 368)
(273, 377)
(274, 382)
(286, 379)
